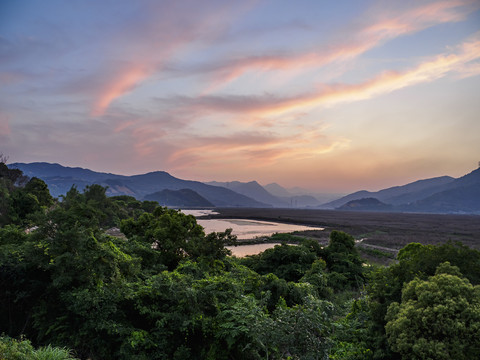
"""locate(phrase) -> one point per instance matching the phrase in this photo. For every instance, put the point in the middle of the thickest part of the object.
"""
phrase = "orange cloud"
(391, 81)
(385, 27)
(247, 150)
(122, 84)
(258, 106)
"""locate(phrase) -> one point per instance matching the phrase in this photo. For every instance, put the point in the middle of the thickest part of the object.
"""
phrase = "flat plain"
(375, 229)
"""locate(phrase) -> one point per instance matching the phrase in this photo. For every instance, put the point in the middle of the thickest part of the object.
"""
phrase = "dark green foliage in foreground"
(438, 318)
(288, 262)
(416, 263)
(167, 290)
(343, 262)
(342, 267)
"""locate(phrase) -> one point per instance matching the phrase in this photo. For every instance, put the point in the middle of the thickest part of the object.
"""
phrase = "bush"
(12, 349)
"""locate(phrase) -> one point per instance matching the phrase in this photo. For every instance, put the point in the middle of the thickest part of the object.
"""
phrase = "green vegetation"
(167, 290)
(12, 349)
(377, 253)
(438, 318)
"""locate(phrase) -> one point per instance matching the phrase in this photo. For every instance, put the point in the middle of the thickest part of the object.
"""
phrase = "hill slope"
(365, 204)
(179, 198)
(253, 190)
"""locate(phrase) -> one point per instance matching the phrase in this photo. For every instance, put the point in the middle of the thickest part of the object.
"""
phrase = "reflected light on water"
(246, 230)
(244, 250)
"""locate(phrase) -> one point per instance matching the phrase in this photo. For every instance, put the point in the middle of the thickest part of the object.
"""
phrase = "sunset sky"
(334, 96)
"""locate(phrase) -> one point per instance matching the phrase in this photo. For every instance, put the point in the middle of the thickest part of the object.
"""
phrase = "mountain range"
(61, 178)
(443, 194)
(436, 195)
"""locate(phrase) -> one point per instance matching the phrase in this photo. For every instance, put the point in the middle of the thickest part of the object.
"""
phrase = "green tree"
(211, 247)
(343, 262)
(167, 231)
(414, 261)
(438, 318)
(39, 189)
(286, 261)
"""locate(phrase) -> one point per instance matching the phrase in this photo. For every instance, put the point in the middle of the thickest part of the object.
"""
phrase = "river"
(246, 230)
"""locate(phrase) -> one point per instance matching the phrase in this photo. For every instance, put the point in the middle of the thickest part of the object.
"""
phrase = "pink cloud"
(124, 125)
(5, 130)
(169, 28)
(146, 134)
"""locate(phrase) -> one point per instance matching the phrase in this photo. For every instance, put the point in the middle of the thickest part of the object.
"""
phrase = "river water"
(245, 230)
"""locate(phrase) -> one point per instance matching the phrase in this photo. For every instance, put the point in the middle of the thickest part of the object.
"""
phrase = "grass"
(13, 349)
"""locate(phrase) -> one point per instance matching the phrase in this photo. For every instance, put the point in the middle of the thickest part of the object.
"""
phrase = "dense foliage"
(163, 289)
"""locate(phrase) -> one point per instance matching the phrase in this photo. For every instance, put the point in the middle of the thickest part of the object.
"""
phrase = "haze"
(328, 95)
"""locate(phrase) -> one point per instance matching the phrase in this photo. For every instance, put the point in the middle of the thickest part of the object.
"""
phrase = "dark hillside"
(179, 198)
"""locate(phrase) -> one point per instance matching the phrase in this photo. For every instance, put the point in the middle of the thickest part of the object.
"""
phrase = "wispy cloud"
(230, 87)
(254, 149)
(168, 29)
(327, 95)
(125, 81)
(382, 25)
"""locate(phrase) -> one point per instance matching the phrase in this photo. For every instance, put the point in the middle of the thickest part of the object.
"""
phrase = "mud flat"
(389, 230)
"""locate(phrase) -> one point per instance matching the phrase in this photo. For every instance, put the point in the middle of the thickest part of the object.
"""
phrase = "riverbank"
(388, 230)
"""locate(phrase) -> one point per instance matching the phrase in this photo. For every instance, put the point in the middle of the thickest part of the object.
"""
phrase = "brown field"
(381, 231)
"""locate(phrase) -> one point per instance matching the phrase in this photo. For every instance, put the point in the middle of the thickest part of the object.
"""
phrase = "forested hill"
(163, 289)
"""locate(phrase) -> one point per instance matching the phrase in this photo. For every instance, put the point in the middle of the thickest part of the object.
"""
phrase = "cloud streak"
(152, 44)
(386, 26)
(254, 149)
(122, 84)
(328, 95)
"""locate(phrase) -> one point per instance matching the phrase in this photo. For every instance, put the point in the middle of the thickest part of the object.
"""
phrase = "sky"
(333, 96)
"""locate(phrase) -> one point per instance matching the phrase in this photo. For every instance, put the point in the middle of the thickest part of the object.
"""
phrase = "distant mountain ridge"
(443, 194)
(396, 195)
(61, 178)
(459, 196)
(436, 195)
(276, 195)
